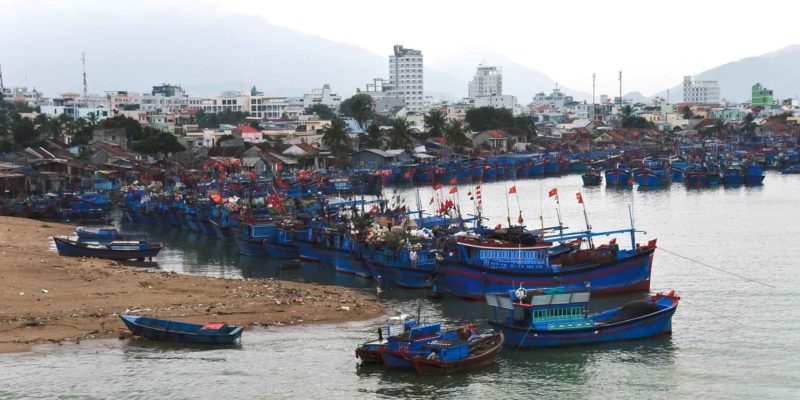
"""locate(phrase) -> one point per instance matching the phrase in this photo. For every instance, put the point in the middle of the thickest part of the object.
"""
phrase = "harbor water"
(734, 337)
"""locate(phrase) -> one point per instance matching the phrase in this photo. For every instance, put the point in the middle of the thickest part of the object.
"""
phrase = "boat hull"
(638, 328)
(630, 274)
(179, 337)
(65, 248)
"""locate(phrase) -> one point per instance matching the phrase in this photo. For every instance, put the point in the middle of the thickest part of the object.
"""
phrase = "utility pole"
(1, 78)
(620, 90)
(83, 61)
(593, 80)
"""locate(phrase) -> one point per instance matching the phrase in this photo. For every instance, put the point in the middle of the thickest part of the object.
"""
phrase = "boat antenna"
(508, 209)
(586, 218)
(419, 311)
(633, 228)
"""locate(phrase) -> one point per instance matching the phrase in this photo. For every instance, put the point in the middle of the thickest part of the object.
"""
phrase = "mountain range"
(208, 55)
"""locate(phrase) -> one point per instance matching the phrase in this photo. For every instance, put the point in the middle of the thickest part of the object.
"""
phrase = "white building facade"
(406, 77)
(700, 92)
(322, 96)
(488, 81)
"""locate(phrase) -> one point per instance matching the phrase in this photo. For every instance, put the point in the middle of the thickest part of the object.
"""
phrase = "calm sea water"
(732, 338)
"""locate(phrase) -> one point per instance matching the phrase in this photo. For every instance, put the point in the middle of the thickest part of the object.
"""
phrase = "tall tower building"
(488, 81)
(405, 74)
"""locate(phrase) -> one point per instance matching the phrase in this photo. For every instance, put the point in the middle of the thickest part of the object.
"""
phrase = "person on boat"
(412, 256)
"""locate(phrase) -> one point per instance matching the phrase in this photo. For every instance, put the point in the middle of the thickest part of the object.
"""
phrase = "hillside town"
(50, 143)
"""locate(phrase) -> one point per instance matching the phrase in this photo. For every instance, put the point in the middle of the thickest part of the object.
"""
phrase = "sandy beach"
(50, 299)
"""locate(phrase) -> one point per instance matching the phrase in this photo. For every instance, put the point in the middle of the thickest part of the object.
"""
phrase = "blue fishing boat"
(115, 250)
(792, 169)
(619, 175)
(753, 174)
(592, 177)
(653, 174)
(400, 350)
(474, 266)
(253, 233)
(444, 356)
(216, 333)
(100, 232)
(410, 267)
(553, 317)
(282, 243)
(732, 174)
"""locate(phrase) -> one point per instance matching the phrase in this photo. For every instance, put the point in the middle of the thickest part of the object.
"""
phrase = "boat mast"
(633, 228)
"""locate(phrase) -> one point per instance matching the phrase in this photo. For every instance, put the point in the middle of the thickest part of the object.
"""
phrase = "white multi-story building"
(556, 100)
(322, 96)
(266, 107)
(508, 102)
(405, 74)
(230, 100)
(488, 81)
(700, 92)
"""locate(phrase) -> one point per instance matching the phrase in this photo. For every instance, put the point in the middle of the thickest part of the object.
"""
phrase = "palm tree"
(92, 117)
(626, 112)
(336, 138)
(400, 135)
(374, 137)
(435, 120)
(719, 126)
(454, 135)
(749, 125)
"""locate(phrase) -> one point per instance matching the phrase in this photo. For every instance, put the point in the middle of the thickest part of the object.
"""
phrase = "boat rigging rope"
(711, 312)
(715, 268)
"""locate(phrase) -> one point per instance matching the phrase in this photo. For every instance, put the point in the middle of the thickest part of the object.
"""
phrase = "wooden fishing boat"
(218, 333)
(447, 357)
(100, 232)
(592, 177)
(115, 250)
(553, 317)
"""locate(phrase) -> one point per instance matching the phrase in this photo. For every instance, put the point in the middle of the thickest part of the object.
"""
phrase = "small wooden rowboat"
(115, 250)
(447, 357)
(173, 331)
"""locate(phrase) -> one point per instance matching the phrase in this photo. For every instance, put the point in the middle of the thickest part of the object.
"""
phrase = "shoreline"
(54, 299)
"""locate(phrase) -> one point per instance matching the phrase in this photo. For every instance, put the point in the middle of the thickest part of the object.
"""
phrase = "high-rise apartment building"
(406, 77)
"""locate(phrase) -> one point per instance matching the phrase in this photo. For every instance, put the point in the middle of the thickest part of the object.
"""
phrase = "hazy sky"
(655, 43)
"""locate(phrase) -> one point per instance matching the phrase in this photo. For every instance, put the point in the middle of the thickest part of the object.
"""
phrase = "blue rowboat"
(101, 232)
(218, 333)
(115, 250)
(475, 267)
(552, 318)
(400, 350)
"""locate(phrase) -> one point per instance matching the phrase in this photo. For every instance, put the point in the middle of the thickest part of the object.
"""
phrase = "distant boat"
(115, 250)
(592, 177)
(793, 169)
(553, 317)
(218, 333)
(100, 232)
(446, 356)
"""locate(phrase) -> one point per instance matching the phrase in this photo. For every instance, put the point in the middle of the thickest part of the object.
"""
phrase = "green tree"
(526, 125)
(400, 134)
(156, 142)
(358, 107)
(374, 136)
(133, 129)
(454, 135)
(92, 119)
(687, 112)
(749, 125)
(336, 138)
(322, 111)
(487, 118)
(24, 133)
(436, 121)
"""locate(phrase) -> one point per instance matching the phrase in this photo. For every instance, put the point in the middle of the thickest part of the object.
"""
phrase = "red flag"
(437, 186)
(407, 175)
(512, 190)
(431, 201)
(552, 192)
(454, 181)
(580, 197)
(280, 167)
(387, 172)
(498, 226)
(630, 180)
(454, 189)
(519, 220)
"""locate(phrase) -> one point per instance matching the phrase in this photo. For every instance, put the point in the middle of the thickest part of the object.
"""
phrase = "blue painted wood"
(174, 331)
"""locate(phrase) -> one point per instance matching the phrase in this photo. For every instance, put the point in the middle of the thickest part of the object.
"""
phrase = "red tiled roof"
(247, 129)
(497, 134)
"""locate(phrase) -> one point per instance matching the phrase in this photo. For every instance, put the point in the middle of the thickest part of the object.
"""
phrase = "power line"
(715, 268)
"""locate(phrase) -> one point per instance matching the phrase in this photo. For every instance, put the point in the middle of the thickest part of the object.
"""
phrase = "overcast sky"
(655, 43)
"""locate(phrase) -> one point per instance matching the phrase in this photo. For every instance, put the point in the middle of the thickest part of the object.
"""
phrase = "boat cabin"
(446, 350)
(541, 309)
